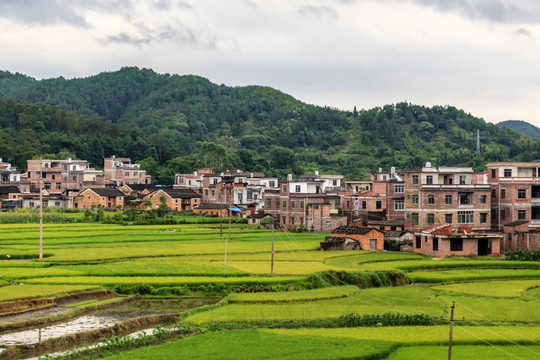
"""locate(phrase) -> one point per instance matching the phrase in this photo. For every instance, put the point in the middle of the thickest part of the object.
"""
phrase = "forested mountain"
(173, 123)
(522, 127)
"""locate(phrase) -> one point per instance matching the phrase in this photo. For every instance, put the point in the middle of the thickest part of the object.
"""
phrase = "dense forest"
(172, 123)
(521, 127)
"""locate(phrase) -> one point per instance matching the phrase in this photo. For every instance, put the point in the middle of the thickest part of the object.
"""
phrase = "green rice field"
(500, 300)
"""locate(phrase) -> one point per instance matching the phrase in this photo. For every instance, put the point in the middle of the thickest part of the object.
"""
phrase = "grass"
(93, 302)
(507, 288)
(467, 352)
(259, 344)
(17, 292)
(302, 295)
(471, 274)
(16, 273)
(366, 301)
(162, 280)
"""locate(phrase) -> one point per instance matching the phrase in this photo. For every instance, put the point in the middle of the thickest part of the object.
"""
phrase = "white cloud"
(476, 54)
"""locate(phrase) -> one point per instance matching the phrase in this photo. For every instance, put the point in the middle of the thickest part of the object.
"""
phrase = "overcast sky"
(482, 56)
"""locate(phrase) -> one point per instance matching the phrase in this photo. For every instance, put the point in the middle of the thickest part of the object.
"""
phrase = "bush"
(519, 255)
(364, 279)
(385, 319)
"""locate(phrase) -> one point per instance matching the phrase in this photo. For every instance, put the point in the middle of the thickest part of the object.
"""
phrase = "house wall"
(470, 246)
(363, 240)
(89, 200)
(174, 204)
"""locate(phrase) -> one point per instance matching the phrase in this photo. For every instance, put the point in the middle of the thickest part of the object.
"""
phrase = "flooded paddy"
(136, 313)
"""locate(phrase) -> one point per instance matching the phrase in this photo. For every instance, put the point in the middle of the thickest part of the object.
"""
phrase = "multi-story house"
(8, 173)
(304, 202)
(451, 195)
(192, 181)
(244, 189)
(58, 175)
(515, 203)
(121, 171)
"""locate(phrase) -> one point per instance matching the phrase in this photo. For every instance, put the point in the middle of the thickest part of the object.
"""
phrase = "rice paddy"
(499, 299)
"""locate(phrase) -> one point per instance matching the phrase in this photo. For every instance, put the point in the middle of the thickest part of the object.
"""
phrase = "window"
(214, 193)
(74, 178)
(364, 204)
(522, 193)
(483, 218)
(315, 207)
(418, 242)
(378, 204)
(58, 186)
(465, 217)
(429, 180)
(448, 218)
(296, 188)
(435, 244)
(54, 177)
(334, 182)
(47, 185)
(399, 189)
(284, 220)
(431, 199)
(522, 214)
(328, 224)
(399, 205)
(249, 195)
(215, 180)
(503, 193)
(461, 179)
(135, 174)
(503, 214)
(31, 204)
(57, 203)
(293, 204)
(415, 199)
(292, 220)
(493, 173)
(272, 183)
(301, 204)
(415, 179)
(284, 204)
(430, 218)
(507, 172)
(240, 180)
(126, 173)
(284, 188)
(493, 193)
(269, 202)
(483, 199)
(414, 218)
(456, 244)
(448, 199)
(465, 198)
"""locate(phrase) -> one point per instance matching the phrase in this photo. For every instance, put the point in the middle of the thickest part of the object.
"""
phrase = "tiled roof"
(516, 223)
(109, 192)
(212, 206)
(9, 189)
(182, 193)
(141, 187)
(347, 230)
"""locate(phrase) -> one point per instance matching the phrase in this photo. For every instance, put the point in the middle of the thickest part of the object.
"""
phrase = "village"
(436, 211)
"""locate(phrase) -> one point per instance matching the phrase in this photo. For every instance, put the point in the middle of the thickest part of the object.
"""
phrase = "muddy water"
(100, 319)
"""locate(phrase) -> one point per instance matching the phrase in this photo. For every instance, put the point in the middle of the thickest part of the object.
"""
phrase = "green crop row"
(302, 295)
(507, 288)
(471, 274)
(17, 292)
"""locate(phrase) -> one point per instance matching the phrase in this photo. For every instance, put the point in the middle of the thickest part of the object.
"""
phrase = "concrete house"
(367, 238)
(120, 171)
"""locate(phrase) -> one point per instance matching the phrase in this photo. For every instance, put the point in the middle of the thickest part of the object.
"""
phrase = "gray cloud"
(498, 11)
(126, 39)
(318, 11)
(523, 32)
(41, 12)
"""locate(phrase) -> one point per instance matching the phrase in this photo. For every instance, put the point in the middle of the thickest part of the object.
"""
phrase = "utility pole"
(228, 237)
(272, 256)
(451, 321)
(40, 210)
(221, 213)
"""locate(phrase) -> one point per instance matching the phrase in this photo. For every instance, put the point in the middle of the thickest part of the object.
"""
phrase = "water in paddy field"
(95, 320)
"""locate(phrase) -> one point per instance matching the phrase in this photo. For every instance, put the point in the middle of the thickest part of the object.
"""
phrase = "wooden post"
(272, 257)
(40, 211)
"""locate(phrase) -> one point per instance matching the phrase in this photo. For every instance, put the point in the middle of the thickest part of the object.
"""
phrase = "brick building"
(93, 198)
(120, 171)
(455, 196)
(176, 199)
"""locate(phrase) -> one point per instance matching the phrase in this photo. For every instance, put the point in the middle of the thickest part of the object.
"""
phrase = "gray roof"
(348, 230)
(9, 189)
(181, 193)
(109, 192)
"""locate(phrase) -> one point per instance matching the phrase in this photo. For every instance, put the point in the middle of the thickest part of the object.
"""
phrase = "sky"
(482, 56)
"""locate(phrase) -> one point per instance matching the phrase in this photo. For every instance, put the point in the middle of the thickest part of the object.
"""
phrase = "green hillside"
(174, 123)
(522, 127)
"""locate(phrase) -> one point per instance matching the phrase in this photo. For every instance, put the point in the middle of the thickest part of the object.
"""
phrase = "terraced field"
(319, 291)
